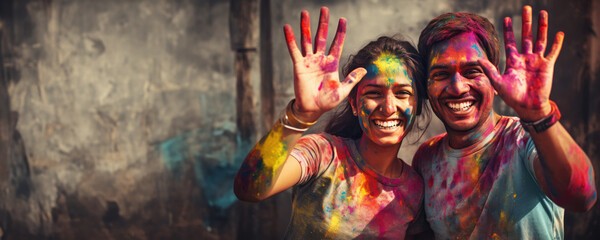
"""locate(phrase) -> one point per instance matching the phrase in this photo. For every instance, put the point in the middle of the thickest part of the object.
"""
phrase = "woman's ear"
(352, 103)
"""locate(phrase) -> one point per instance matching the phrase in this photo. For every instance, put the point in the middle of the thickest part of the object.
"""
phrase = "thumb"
(492, 73)
(351, 80)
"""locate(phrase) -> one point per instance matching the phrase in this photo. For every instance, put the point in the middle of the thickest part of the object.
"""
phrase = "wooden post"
(242, 26)
(5, 131)
(267, 94)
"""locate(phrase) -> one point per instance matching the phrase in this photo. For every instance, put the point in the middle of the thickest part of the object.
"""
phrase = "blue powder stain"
(479, 53)
(174, 154)
(372, 71)
(343, 196)
(213, 169)
(589, 200)
(408, 115)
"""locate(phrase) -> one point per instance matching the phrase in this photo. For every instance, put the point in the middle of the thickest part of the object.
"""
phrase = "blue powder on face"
(372, 71)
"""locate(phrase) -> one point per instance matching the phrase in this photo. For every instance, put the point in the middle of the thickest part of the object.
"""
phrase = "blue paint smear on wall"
(214, 165)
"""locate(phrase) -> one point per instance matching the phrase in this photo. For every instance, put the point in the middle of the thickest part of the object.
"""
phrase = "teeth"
(387, 124)
(461, 106)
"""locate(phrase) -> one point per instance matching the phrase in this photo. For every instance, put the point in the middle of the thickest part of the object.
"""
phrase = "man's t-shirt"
(341, 197)
(487, 191)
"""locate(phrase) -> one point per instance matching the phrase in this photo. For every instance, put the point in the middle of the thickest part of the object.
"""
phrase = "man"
(493, 176)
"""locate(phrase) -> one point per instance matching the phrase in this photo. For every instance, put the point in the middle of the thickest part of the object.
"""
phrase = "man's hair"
(448, 25)
(344, 123)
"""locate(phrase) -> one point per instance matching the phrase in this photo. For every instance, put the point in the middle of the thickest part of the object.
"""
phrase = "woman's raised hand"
(316, 78)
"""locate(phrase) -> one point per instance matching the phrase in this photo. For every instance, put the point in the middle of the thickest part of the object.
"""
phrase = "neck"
(383, 159)
(463, 139)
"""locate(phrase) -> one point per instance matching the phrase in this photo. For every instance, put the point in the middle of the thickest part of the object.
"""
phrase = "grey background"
(118, 117)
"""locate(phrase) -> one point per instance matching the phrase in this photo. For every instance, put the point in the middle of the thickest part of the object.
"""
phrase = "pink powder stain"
(330, 64)
(430, 181)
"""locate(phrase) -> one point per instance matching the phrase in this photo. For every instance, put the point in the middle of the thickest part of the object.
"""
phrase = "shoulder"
(427, 150)
(432, 143)
(512, 130)
(321, 141)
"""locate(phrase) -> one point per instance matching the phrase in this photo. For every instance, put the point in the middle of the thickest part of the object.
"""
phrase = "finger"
(321, 38)
(351, 80)
(305, 41)
(290, 40)
(338, 40)
(492, 73)
(510, 45)
(527, 41)
(542, 36)
(556, 46)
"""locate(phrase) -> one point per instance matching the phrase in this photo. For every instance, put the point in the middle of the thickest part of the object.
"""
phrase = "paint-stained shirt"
(341, 197)
(489, 190)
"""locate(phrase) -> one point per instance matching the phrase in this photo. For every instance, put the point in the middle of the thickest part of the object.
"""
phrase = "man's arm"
(562, 169)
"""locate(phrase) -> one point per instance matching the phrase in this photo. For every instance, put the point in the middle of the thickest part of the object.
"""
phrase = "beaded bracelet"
(289, 120)
(544, 123)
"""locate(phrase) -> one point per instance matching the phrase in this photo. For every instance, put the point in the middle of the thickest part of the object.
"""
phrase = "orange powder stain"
(332, 84)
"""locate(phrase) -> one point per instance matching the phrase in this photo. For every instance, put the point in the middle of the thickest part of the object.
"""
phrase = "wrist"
(543, 123)
(533, 115)
(290, 120)
(303, 116)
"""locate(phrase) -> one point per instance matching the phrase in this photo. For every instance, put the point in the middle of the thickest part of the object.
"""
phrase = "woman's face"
(386, 101)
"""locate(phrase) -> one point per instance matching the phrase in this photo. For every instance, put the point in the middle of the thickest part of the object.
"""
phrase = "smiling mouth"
(387, 124)
(460, 106)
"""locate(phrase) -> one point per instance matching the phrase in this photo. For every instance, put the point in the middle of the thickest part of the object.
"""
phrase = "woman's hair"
(343, 123)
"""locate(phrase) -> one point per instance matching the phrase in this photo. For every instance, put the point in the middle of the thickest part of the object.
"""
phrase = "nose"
(389, 104)
(457, 85)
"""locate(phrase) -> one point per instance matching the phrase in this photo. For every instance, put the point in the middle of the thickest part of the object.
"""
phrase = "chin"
(460, 126)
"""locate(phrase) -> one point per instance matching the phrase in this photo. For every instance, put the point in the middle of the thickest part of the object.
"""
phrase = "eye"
(372, 94)
(403, 93)
(439, 75)
(472, 73)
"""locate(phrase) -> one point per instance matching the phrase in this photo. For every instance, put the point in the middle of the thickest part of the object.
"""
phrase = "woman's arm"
(268, 169)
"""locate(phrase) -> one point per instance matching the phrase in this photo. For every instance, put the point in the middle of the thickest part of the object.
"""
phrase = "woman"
(348, 182)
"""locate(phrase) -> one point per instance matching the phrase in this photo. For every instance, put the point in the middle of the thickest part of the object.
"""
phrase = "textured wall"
(117, 118)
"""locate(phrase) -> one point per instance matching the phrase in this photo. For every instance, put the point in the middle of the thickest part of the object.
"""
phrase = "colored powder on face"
(364, 119)
(389, 66)
(372, 71)
(478, 49)
(408, 115)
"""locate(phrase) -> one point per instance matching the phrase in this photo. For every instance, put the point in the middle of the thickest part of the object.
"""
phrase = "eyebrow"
(462, 65)
(381, 85)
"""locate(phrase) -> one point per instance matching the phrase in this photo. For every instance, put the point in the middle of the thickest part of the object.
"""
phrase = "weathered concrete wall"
(117, 118)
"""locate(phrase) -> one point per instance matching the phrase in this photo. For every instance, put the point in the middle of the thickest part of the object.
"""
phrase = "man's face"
(460, 93)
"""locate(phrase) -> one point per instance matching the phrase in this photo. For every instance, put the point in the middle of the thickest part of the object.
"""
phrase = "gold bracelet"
(289, 120)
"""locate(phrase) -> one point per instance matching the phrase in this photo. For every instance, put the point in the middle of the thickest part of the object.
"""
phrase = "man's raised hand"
(527, 80)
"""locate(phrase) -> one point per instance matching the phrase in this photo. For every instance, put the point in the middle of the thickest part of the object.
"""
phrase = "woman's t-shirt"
(341, 197)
